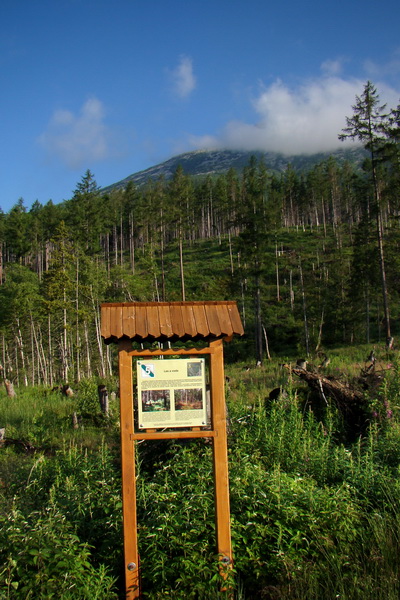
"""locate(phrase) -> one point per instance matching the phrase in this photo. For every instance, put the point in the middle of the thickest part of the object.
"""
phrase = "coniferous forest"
(312, 259)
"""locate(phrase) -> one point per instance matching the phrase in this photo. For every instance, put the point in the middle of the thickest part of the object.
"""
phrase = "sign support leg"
(131, 556)
(220, 459)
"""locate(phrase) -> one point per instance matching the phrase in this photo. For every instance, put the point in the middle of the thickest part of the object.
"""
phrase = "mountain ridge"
(214, 162)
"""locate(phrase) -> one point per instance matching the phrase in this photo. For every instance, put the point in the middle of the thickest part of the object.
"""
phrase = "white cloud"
(182, 77)
(389, 68)
(304, 119)
(78, 139)
(331, 67)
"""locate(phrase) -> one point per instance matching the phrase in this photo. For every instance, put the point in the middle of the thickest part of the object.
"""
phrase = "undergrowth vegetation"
(314, 515)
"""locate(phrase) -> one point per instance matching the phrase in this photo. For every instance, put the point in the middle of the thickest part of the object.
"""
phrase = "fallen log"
(22, 444)
(346, 397)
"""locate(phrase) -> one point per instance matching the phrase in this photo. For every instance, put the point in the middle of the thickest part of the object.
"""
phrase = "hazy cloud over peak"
(295, 120)
(78, 138)
(182, 77)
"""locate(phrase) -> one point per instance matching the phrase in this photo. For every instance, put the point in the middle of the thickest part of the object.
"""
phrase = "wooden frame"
(218, 434)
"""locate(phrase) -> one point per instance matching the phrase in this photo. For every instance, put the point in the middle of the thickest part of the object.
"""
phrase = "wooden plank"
(171, 352)
(131, 556)
(105, 322)
(141, 321)
(201, 319)
(188, 319)
(116, 322)
(212, 319)
(177, 319)
(220, 460)
(165, 321)
(153, 321)
(224, 319)
(129, 321)
(171, 435)
(233, 311)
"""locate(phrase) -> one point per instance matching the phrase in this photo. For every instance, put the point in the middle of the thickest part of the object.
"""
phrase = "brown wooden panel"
(211, 311)
(105, 322)
(177, 320)
(172, 352)
(165, 320)
(116, 322)
(169, 319)
(188, 319)
(224, 319)
(153, 322)
(141, 321)
(200, 319)
(171, 435)
(235, 318)
(129, 321)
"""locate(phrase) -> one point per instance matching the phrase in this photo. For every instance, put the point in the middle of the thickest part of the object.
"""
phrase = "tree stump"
(10, 388)
(103, 399)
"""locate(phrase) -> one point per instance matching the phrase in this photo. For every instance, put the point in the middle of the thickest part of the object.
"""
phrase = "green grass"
(312, 518)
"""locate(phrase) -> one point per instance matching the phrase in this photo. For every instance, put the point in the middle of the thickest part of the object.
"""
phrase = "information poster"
(171, 393)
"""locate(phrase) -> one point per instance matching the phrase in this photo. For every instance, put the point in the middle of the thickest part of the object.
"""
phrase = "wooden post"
(220, 458)
(218, 434)
(129, 512)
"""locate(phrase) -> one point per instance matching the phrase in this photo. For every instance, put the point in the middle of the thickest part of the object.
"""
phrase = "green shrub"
(43, 558)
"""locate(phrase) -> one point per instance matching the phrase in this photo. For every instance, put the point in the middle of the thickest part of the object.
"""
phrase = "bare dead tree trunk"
(266, 343)
(306, 332)
(20, 344)
(98, 336)
(321, 323)
(230, 251)
(50, 350)
(291, 291)
(258, 324)
(131, 244)
(181, 266)
(77, 340)
(278, 294)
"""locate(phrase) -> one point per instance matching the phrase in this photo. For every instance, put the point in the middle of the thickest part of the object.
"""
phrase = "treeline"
(312, 258)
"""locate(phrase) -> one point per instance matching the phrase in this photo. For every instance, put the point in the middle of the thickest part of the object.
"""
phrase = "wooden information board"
(172, 318)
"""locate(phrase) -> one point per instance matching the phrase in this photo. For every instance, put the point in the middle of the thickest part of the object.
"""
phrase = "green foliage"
(43, 559)
(310, 516)
(87, 399)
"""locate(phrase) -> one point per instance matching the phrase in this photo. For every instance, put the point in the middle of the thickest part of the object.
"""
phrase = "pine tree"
(369, 125)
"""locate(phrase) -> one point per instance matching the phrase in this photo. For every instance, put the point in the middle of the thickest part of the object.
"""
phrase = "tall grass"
(312, 518)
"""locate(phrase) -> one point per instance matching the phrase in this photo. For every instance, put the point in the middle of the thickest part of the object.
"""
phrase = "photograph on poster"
(153, 400)
(171, 393)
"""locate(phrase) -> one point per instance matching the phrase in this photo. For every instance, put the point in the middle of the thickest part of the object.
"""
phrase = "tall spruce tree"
(369, 125)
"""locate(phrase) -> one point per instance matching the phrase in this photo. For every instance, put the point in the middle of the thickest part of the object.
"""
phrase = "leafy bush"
(43, 558)
(311, 518)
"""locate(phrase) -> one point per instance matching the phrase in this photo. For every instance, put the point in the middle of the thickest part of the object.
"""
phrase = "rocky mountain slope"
(212, 162)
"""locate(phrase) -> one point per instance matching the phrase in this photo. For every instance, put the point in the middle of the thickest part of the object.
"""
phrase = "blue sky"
(118, 86)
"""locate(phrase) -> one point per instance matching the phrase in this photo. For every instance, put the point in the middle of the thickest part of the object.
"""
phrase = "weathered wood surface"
(171, 321)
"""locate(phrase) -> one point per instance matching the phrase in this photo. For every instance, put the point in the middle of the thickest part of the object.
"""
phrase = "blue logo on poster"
(147, 370)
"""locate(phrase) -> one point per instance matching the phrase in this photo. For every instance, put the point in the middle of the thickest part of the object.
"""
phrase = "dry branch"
(345, 396)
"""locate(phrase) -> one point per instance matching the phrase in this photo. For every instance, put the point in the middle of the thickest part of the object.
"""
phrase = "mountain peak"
(213, 162)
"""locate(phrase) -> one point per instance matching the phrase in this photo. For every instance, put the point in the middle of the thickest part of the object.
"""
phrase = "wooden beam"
(131, 566)
(220, 459)
(171, 352)
(171, 435)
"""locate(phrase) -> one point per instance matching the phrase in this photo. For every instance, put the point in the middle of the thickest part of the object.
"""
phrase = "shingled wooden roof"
(152, 321)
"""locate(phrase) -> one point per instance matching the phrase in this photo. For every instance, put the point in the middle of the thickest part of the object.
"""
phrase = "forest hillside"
(311, 257)
(312, 260)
